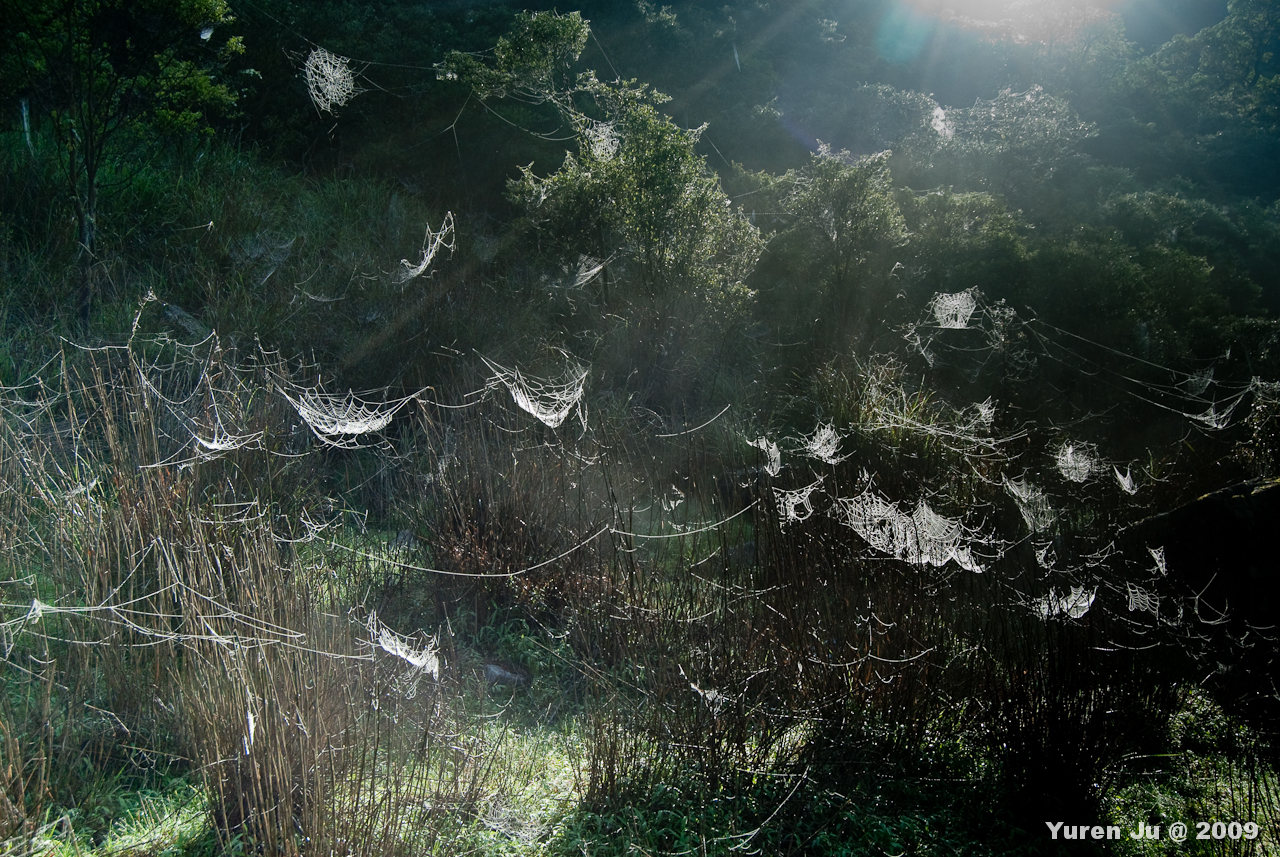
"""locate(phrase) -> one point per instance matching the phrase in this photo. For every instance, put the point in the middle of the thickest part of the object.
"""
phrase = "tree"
(1207, 107)
(835, 254)
(635, 196)
(846, 209)
(1013, 144)
(112, 75)
(636, 186)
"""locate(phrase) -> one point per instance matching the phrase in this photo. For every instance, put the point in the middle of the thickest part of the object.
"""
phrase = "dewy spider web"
(774, 456)
(1187, 394)
(550, 402)
(1032, 503)
(796, 504)
(1072, 605)
(1126, 481)
(340, 420)
(601, 139)
(587, 270)
(1141, 600)
(330, 81)
(952, 312)
(922, 538)
(824, 444)
(1076, 462)
(433, 243)
(423, 661)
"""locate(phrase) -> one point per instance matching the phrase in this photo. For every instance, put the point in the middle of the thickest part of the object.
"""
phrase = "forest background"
(796, 415)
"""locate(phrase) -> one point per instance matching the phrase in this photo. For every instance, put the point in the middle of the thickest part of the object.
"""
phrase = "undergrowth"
(875, 609)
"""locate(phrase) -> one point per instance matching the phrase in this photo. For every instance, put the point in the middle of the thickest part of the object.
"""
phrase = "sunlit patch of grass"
(1213, 773)
(172, 821)
(539, 778)
(168, 823)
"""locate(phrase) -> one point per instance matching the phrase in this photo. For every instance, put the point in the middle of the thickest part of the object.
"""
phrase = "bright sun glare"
(996, 10)
(1017, 19)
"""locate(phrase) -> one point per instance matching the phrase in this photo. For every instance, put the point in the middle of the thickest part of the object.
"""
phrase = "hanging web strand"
(433, 243)
(1032, 503)
(550, 402)
(330, 81)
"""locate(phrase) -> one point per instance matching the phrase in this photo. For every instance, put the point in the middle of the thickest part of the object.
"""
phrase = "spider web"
(1032, 503)
(1076, 462)
(922, 538)
(1142, 600)
(1157, 554)
(339, 420)
(796, 504)
(433, 243)
(602, 139)
(423, 661)
(550, 402)
(774, 456)
(588, 269)
(1126, 481)
(1072, 605)
(330, 81)
(953, 311)
(824, 445)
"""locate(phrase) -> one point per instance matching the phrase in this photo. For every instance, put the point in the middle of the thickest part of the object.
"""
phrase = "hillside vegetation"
(781, 428)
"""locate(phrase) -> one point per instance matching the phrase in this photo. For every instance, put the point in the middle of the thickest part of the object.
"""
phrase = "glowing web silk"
(432, 244)
(340, 420)
(330, 81)
(922, 538)
(953, 311)
(1157, 554)
(337, 415)
(1072, 605)
(549, 402)
(1141, 600)
(1032, 503)
(771, 451)
(588, 269)
(824, 445)
(1126, 480)
(940, 124)
(423, 661)
(797, 504)
(1075, 462)
(602, 139)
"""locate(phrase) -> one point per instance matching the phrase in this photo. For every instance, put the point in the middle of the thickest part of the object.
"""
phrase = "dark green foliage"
(530, 63)
(111, 80)
(765, 255)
